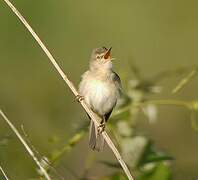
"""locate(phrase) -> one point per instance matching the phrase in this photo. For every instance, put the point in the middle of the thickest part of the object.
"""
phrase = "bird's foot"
(101, 128)
(79, 98)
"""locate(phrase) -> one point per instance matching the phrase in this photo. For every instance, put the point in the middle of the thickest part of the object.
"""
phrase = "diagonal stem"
(93, 116)
(185, 80)
(31, 153)
(4, 174)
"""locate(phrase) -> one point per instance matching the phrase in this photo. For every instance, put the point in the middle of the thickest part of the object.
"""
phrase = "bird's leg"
(101, 127)
(79, 98)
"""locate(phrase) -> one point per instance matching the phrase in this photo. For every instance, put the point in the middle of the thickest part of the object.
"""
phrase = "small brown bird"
(100, 87)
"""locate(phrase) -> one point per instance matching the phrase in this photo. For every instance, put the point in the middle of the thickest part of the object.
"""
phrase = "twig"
(185, 80)
(25, 145)
(72, 142)
(44, 160)
(169, 102)
(93, 116)
(4, 174)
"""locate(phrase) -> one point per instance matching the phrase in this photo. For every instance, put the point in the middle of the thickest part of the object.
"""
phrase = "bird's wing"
(117, 81)
(107, 115)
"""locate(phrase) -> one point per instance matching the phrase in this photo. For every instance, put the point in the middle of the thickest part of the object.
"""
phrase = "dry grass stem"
(44, 160)
(4, 174)
(93, 116)
(185, 80)
(31, 153)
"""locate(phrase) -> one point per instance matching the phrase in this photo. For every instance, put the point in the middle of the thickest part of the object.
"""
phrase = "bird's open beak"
(108, 54)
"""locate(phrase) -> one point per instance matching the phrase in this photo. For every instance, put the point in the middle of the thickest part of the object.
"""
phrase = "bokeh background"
(156, 35)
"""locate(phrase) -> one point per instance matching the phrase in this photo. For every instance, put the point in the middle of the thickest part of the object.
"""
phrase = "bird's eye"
(98, 57)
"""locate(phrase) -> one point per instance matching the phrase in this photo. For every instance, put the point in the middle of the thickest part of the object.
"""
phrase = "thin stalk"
(168, 102)
(31, 153)
(185, 80)
(4, 174)
(66, 148)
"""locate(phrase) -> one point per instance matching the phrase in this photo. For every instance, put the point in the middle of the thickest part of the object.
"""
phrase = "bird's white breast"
(101, 96)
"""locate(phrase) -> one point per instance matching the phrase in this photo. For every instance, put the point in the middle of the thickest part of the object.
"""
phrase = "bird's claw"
(79, 98)
(101, 128)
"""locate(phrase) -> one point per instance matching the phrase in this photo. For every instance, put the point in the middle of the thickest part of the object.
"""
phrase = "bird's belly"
(101, 97)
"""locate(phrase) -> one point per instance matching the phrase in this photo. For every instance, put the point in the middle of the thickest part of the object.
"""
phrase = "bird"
(100, 87)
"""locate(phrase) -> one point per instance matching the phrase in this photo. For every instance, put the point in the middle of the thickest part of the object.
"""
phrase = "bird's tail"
(96, 140)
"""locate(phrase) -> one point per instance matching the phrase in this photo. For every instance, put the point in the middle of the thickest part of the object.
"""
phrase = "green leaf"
(157, 156)
(152, 155)
(160, 172)
(194, 120)
(122, 113)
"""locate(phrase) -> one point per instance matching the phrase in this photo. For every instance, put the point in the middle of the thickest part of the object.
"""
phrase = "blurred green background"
(156, 35)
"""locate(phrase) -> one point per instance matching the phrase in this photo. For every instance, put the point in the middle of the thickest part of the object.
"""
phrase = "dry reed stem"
(31, 153)
(4, 174)
(93, 116)
(185, 80)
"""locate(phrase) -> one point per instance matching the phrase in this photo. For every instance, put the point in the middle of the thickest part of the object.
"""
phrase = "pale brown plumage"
(100, 86)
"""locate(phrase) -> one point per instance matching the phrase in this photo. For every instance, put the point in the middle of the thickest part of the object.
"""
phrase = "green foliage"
(139, 152)
(194, 119)
(161, 171)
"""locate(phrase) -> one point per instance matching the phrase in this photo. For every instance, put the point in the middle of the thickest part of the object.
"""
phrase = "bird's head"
(101, 59)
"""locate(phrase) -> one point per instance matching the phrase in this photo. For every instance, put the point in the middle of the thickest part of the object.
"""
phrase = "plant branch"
(4, 174)
(168, 102)
(31, 153)
(93, 116)
(67, 148)
(185, 80)
(46, 164)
